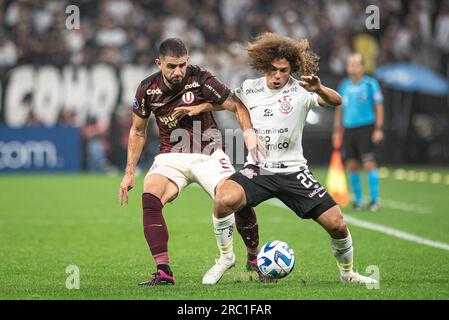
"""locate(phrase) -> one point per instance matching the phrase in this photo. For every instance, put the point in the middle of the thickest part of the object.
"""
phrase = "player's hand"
(191, 110)
(182, 111)
(254, 145)
(377, 136)
(126, 185)
(310, 83)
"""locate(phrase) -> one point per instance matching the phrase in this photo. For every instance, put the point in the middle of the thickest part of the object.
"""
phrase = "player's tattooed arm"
(326, 96)
(136, 141)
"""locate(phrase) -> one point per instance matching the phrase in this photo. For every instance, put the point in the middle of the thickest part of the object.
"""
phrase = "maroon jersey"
(198, 86)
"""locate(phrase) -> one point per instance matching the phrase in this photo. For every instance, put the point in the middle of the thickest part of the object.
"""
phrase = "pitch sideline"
(380, 228)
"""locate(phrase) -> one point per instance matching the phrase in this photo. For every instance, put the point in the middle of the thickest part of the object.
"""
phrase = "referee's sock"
(356, 183)
(373, 182)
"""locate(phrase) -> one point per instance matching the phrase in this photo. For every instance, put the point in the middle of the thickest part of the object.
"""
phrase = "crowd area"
(127, 31)
(122, 32)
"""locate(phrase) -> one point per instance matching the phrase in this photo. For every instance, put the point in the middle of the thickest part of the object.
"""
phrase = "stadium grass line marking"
(398, 205)
(405, 206)
(380, 228)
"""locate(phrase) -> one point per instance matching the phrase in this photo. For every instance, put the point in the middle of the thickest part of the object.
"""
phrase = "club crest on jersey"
(248, 172)
(188, 97)
(286, 107)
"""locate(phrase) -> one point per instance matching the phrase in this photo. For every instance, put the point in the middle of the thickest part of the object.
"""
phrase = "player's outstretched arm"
(136, 141)
(195, 110)
(252, 142)
(326, 96)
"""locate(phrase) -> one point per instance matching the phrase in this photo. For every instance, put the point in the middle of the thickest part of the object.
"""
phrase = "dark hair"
(173, 47)
(270, 46)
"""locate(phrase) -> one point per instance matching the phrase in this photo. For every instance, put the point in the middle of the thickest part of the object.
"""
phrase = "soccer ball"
(276, 259)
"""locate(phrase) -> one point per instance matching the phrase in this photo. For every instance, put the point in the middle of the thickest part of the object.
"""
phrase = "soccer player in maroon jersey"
(190, 151)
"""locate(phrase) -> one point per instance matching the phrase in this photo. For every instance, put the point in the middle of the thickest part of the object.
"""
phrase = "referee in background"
(358, 128)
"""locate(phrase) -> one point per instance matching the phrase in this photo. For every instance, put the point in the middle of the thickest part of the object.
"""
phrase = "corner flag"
(336, 180)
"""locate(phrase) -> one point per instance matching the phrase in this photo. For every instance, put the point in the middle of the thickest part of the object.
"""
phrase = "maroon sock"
(154, 228)
(246, 223)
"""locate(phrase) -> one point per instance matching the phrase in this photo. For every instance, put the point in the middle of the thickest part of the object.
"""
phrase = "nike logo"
(322, 194)
(251, 108)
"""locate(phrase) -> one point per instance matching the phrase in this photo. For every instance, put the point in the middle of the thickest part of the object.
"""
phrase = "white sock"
(343, 252)
(223, 229)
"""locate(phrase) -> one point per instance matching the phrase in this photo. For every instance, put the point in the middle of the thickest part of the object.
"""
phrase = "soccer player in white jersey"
(278, 106)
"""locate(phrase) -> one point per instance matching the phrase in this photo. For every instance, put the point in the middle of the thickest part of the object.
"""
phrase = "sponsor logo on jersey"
(143, 111)
(293, 89)
(267, 112)
(248, 172)
(251, 108)
(169, 121)
(157, 104)
(151, 92)
(285, 107)
(239, 90)
(322, 194)
(316, 191)
(215, 92)
(277, 146)
(253, 91)
(135, 104)
(271, 131)
(188, 97)
(192, 85)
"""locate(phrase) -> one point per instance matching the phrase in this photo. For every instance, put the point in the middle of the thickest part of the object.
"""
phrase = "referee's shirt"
(359, 101)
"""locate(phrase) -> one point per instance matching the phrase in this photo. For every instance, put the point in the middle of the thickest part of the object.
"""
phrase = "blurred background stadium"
(67, 92)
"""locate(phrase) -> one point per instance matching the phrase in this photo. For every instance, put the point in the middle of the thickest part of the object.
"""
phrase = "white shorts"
(185, 168)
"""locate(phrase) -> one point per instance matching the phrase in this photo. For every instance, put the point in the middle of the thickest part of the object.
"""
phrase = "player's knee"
(157, 192)
(339, 230)
(225, 202)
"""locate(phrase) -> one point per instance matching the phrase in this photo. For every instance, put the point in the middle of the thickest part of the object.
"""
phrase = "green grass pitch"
(49, 222)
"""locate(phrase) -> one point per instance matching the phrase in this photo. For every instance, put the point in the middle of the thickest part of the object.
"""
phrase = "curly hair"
(270, 46)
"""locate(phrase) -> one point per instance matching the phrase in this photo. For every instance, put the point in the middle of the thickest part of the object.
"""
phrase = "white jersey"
(278, 116)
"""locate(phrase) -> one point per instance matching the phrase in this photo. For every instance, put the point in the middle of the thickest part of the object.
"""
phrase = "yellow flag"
(336, 180)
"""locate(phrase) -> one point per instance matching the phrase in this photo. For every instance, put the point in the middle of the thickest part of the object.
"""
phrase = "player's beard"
(175, 84)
